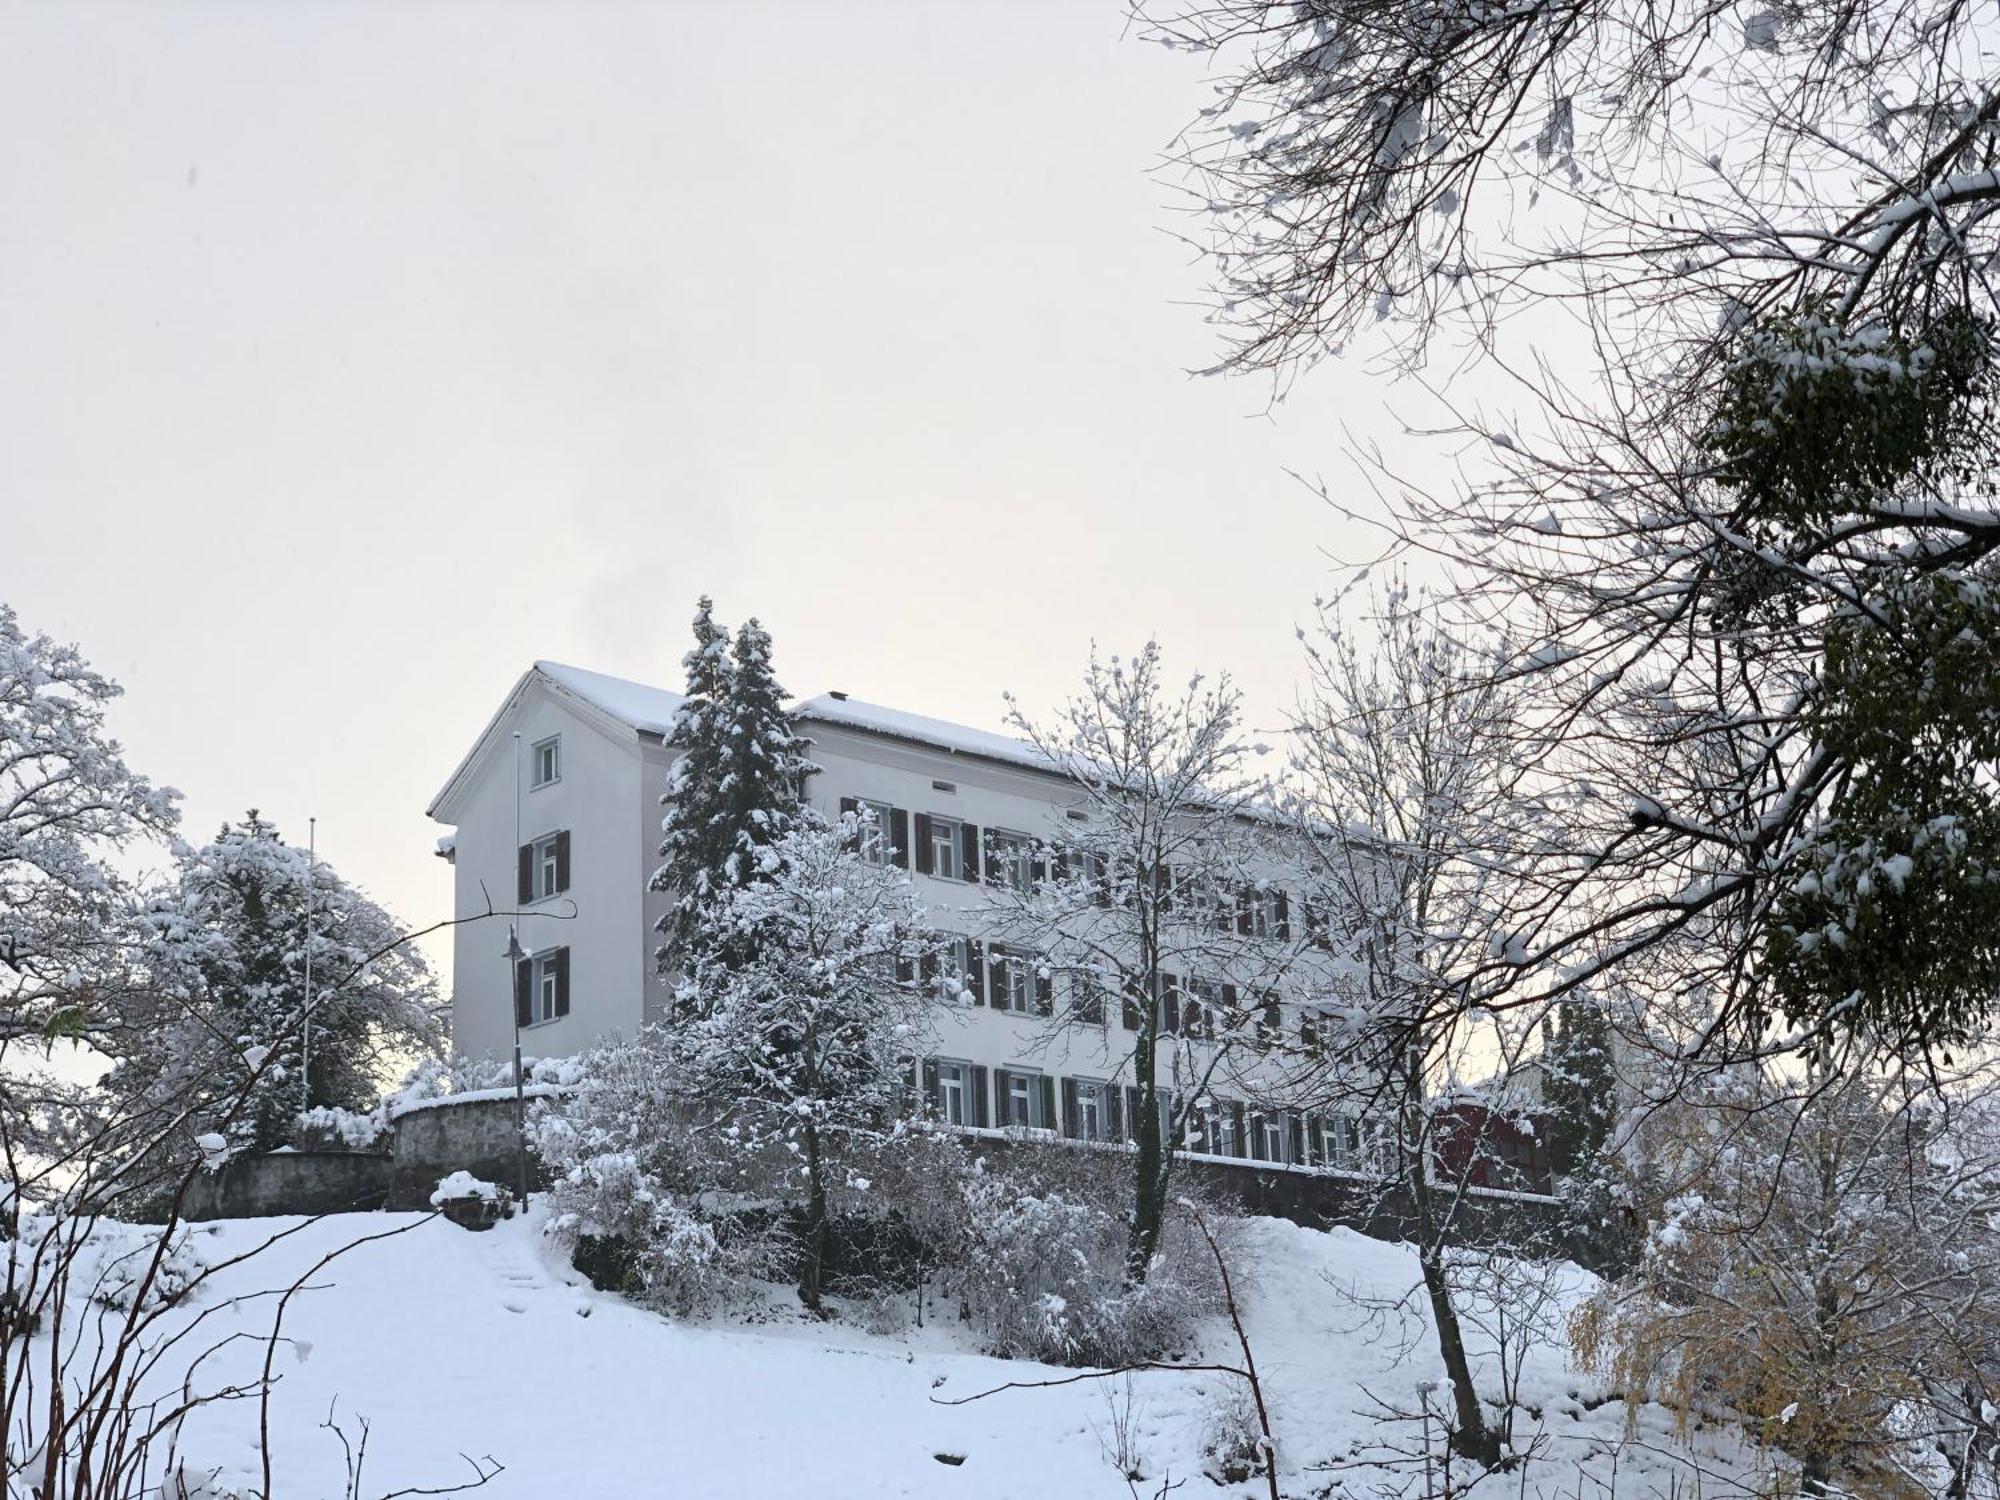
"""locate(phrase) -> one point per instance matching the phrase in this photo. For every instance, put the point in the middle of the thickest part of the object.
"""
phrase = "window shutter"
(1109, 1098)
(1236, 1119)
(1045, 991)
(1243, 898)
(526, 884)
(932, 1099)
(924, 866)
(562, 860)
(927, 965)
(978, 1092)
(1225, 911)
(975, 970)
(1132, 1113)
(562, 981)
(1257, 1136)
(1000, 1097)
(899, 838)
(848, 807)
(1282, 915)
(1313, 1153)
(1069, 1120)
(1229, 1005)
(968, 854)
(1049, 1119)
(1131, 1008)
(1170, 1004)
(1295, 1133)
(524, 980)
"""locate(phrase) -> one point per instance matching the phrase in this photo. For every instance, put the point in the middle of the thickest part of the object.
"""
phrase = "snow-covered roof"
(959, 739)
(647, 709)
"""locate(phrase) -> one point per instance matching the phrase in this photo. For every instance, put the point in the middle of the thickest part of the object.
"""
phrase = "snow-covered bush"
(639, 1190)
(1232, 1441)
(1043, 1266)
(328, 1127)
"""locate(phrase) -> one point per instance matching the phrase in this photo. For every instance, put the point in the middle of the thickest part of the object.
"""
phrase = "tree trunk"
(1470, 1436)
(1149, 1187)
(812, 1271)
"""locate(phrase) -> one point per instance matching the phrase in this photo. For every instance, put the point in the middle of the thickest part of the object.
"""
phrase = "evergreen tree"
(765, 788)
(737, 787)
(227, 964)
(796, 1030)
(695, 837)
(1579, 1086)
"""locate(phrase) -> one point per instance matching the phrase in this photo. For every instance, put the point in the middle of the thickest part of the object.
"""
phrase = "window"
(543, 868)
(1199, 1007)
(1271, 1140)
(1265, 912)
(884, 837)
(954, 1093)
(1347, 1144)
(547, 762)
(1020, 1099)
(1087, 998)
(1218, 1128)
(541, 987)
(943, 840)
(1010, 860)
(1088, 1118)
(875, 840)
(1019, 983)
(954, 973)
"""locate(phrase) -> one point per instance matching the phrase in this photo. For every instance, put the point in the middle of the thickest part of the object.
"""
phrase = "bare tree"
(1155, 896)
(1734, 261)
(1421, 818)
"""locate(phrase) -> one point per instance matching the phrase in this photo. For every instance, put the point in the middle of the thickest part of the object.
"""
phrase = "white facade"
(989, 1064)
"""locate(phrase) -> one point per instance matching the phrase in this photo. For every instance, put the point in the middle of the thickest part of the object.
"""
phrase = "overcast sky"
(352, 357)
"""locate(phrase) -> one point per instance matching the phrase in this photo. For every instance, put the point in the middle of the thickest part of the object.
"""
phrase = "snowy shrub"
(1044, 1267)
(331, 1128)
(1232, 1440)
(112, 1260)
(639, 1191)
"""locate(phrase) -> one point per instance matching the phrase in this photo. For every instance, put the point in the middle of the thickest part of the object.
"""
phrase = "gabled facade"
(559, 802)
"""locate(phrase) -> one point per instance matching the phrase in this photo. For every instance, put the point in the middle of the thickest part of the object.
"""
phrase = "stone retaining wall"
(421, 1146)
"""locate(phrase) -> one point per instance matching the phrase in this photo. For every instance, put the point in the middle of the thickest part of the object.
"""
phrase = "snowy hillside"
(452, 1343)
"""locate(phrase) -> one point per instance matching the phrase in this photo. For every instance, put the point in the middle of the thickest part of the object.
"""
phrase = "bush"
(635, 1193)
(1043, 1264)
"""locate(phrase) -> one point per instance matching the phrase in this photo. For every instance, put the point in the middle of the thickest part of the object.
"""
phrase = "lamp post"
(515, 957)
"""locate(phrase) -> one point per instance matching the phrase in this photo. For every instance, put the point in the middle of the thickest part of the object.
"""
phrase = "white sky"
(354, 356)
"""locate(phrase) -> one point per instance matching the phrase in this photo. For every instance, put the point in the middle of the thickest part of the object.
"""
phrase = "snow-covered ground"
(449, 1342)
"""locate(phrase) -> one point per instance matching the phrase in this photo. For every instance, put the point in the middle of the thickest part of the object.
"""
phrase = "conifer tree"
(764, 789)
(1580, 1088)
(737, 787)
(695, 840)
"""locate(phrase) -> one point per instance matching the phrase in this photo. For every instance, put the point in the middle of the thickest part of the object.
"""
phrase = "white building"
(556, 809)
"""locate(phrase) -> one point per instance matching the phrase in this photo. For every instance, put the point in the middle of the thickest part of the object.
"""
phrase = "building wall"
(608, 799)
(595, 798)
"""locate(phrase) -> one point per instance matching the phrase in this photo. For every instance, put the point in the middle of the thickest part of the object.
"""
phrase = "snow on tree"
(227, 1001)
(799, 1027)
(1422, 831)
(1744, 529)
(695, 841)
(1821, 1264)
(68, 806)
(738, 782)
(1153, 894)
